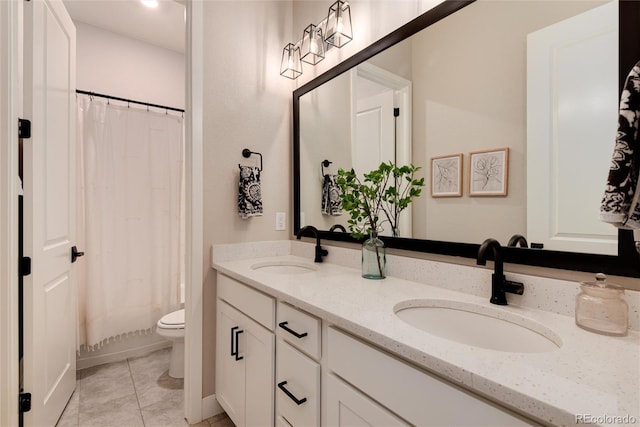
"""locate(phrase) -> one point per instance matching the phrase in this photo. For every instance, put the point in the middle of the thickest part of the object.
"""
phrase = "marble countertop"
(590, 375)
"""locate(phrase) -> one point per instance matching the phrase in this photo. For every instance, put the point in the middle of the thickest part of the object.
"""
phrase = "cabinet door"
(348, 407)
(230, 372)
(257, 346)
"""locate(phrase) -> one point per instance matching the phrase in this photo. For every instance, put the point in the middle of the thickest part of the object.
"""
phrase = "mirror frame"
(626, 263)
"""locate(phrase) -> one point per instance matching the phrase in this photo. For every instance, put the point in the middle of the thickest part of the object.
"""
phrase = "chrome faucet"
(319, 251)
(499, 284)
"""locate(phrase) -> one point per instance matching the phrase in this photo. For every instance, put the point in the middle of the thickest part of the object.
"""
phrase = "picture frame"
(446, 176)
(489, 172)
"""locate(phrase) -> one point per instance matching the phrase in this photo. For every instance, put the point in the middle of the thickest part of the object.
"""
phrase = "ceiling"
(163, 26)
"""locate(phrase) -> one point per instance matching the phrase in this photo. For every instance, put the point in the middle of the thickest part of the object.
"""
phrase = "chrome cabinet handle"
(284, 326)
(282, 387)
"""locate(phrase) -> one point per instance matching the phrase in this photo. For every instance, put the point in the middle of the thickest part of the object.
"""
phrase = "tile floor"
(135, 392)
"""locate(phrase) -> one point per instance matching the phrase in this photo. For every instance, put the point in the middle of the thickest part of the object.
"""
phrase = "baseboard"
(87, 360)
(210, 407)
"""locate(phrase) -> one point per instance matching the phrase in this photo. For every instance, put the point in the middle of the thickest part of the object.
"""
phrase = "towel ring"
(324, 164)
(246, 153)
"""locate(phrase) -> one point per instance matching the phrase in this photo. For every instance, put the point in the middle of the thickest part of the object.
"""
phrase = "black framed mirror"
(624, 261)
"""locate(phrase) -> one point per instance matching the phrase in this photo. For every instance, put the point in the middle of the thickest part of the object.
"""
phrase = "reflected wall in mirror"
(461, 86)
(491, 75)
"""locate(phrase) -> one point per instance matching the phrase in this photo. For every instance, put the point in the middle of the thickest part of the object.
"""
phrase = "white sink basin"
(478, 326)
(284, 267)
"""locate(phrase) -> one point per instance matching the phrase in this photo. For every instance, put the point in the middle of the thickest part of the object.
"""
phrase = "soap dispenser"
(601, 308)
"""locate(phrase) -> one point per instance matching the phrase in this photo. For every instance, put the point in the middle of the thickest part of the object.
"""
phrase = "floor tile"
(118, 412)
(104, 383)
(221, 420)
(134, 393)
(152, 381)
(164, 414)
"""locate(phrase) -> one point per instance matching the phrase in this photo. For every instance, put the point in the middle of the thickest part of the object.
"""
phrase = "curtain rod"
(131, 101)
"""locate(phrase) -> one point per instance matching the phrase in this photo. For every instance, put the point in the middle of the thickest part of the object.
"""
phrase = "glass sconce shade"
(312, 50)
(338, 32)
(291, 67)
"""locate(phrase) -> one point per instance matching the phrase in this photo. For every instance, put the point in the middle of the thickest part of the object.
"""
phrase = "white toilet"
(171, 327)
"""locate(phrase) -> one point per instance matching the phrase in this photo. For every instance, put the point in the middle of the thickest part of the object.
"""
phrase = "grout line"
(136, 392)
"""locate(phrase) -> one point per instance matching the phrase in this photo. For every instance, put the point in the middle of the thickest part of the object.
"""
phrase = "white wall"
(247, 104)
(325, 133)
(115, 65)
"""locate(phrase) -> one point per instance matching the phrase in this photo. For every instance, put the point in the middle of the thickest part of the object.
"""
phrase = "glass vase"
(374, 260)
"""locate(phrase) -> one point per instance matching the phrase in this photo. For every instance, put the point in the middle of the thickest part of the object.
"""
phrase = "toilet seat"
(173, 320)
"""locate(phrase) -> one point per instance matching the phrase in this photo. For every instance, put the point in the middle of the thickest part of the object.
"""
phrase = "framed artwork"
(488, 172)
(446, 176)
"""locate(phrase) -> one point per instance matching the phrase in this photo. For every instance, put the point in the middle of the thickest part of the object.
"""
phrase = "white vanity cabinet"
(297, 368)
(245, 353)
(279, 365)
(408, 396)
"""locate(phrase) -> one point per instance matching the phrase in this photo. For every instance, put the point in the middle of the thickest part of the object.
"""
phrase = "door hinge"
(25, 266)
(396, 112)
(24, 128)
(24, 402)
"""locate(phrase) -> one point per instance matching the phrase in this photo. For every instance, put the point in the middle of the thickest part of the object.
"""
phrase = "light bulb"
(150, 3)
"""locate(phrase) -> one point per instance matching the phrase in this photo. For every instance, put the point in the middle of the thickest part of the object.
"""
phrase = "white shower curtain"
(130, 219)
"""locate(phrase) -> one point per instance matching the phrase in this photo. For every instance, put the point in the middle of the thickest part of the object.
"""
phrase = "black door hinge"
(396, 112)
(25, 266)
(24, 402)
(24, 128)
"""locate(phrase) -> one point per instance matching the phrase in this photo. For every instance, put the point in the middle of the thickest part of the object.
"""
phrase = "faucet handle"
(320, 252)
(513, 287)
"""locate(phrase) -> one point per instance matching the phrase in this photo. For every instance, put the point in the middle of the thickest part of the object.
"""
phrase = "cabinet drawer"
(253, 303)
(297, 387)
(418, 397)
(299, 329)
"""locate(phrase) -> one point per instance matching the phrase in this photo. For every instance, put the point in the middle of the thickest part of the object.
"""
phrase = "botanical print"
(488, 172)
(446, 176)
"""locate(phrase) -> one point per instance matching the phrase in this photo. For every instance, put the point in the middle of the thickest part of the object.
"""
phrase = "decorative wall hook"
(246, 153)
(324, 164)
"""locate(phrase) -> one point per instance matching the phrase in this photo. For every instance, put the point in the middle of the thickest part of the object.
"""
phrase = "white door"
(257, 346)
(572, 104)
(49, 210)
(375, 140)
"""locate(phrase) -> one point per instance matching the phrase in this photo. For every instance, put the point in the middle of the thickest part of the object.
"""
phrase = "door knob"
(75, 254)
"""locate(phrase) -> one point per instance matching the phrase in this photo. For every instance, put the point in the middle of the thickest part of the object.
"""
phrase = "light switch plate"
(281, 219)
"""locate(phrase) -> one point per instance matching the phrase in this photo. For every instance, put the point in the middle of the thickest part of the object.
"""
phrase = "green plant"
(385, 191)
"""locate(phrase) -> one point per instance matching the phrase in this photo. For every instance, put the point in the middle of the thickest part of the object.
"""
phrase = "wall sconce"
(335, 30)
(338, 32)
(312, 50)
(291, 67)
